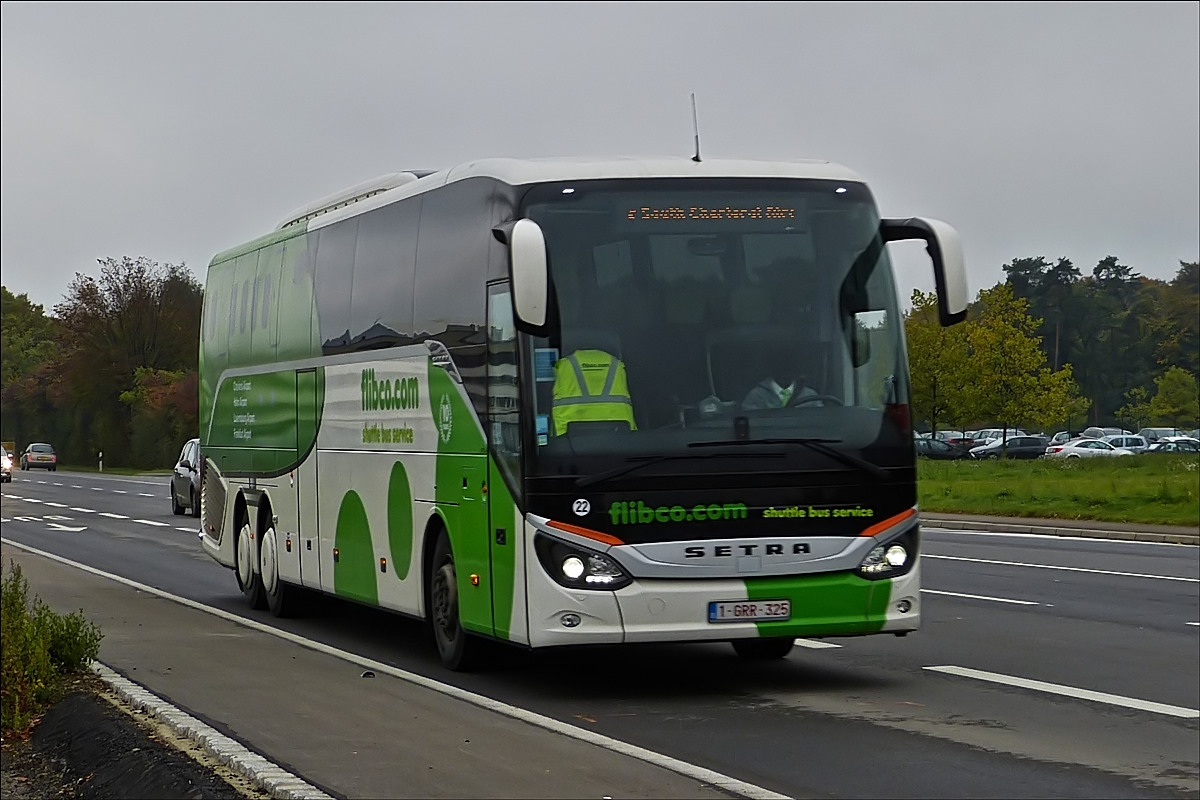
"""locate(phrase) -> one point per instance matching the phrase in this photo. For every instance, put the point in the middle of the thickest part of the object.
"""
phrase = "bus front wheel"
(454, 646)
(762, 649)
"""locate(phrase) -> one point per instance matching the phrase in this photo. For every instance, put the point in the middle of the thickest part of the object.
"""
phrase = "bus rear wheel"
(249, 581)
(762, 649)
(283, 599)
(454, 646)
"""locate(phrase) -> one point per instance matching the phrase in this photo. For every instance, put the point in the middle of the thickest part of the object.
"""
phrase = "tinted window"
(452, 260)
(264, 336)
(334, 277)
(381, 309)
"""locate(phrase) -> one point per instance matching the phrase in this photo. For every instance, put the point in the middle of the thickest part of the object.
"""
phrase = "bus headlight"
(890, 559)
(577, 567)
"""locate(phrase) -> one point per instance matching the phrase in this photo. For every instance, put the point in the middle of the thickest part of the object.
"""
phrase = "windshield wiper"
(645, 461)
(820, 445)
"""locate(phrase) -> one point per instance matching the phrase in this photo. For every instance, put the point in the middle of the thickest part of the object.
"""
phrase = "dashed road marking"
(982, 597)
(1070, 691)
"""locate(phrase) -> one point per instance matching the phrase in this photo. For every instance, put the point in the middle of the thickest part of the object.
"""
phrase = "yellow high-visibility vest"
(589, 386)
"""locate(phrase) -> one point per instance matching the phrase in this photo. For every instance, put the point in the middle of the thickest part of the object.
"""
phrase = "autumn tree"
(136, 314)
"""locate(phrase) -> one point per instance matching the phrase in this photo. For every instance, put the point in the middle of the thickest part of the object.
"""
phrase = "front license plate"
(749, 610)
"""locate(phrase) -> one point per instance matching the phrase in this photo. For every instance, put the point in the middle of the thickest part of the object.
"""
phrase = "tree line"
(1052, 349)
(114, 368)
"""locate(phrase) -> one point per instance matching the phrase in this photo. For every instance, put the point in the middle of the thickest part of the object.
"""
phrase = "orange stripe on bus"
(585, 532)
(880, 527)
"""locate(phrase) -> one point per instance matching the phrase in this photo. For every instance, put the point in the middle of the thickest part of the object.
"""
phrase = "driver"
(783, 386)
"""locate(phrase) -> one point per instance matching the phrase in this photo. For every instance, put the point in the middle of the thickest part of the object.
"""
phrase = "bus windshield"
(690, 314)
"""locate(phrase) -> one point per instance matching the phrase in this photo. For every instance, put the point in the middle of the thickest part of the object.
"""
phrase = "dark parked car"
(1016, 447)
(39, 456)
(185, 480)
(937, 449)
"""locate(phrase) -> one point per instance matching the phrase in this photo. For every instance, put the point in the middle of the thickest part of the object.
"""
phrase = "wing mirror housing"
(945, 250)
(528, 266)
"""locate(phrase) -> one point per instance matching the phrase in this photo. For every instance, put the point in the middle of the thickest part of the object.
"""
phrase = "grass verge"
(1155, 489)
(39, 652)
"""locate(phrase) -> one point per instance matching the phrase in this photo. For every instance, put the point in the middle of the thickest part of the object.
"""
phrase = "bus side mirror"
(530, 279)
(945, 250)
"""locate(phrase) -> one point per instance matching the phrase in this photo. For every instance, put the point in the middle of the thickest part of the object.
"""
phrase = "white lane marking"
(58, 484)
(188, 530)
(113, 516)
(982, 597)
(31, 500)
(1194, 623)
(96, 489)
(1070, 691)
(815, 644)
(56, 505)
(83, 510)
(119, 491)
(1065, 569)
(146, 494)
(76, 486)
(151, 522)
(1005, 535)
(702, 774)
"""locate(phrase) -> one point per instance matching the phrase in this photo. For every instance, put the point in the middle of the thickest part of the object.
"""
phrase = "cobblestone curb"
(264, 775)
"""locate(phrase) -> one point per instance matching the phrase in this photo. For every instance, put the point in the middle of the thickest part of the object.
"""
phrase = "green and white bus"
(392, 409)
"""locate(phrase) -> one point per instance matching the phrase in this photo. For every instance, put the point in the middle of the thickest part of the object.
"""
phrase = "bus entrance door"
(307, 411)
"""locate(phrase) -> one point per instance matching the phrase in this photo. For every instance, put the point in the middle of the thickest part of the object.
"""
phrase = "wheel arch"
(435, 526)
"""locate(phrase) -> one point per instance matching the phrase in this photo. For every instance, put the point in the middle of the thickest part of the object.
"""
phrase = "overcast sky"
(174, 131)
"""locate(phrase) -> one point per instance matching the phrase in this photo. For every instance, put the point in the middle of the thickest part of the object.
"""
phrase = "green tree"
(1010, 382)
(1177, 402)
(1179, 343)
(1136, 411)
(938, 363)
(27, 347)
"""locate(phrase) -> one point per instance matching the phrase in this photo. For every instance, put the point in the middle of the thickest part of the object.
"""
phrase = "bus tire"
(249, 581)
(763, 649)
(283, 599)
(455, 648)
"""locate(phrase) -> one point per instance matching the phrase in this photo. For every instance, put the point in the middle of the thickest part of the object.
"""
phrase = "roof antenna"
(696, 128)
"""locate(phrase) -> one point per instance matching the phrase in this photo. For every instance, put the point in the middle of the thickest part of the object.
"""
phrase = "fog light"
(904, 606)
(570, 620)
(572, 567)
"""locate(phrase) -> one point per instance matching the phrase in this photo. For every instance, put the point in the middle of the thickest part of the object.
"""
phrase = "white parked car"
(1132, 442)
(989, 435)
(1085, 448)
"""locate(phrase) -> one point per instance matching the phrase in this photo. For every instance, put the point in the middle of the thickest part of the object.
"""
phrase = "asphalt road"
(1046, 667)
